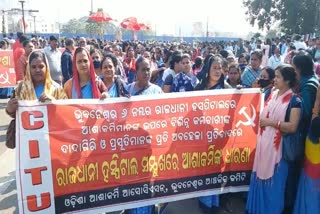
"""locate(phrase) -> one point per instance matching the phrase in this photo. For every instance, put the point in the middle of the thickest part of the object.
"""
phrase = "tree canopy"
(294, 16)
(83, 26)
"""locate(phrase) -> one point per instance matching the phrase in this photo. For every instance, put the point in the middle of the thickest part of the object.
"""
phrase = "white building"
(33, 22)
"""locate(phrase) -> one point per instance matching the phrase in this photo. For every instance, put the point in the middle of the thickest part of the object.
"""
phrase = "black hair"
(139, 61)
(236, 66)
(304, 62)
(95, 50)
(224, 53)
(38, 55)
(270, 71)
(112, 57)
(204, 79)
(288, 73)
(175, 58)
(258, 54)
(26, 42)
(69, 42)
(79, 50)
(198, 62)
(2, 42)
(22, 38)
(167, 56)
(185, 55)
(244, 55)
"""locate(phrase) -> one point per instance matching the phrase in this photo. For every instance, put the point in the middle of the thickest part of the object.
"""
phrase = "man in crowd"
(66, 60)
(54, 59)
(22, 62)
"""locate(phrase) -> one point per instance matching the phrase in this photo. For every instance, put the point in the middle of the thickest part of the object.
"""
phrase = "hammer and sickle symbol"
(250, 120)
(4, 78)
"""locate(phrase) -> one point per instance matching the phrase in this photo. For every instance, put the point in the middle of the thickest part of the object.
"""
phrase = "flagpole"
(91, 7)
(23, 22)
(207, 34)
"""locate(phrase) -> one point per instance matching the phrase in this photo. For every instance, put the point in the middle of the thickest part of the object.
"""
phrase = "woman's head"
(215, 68)
(175, 62)
(285, 77)
(186, 63)
(147, 54)
(198, 62)
(243, 61)
(130, 52)
(256, 59)
(303, 64)
(38, 67)
(109, 65)
(266, 77)
(234, 74)
(82, 61)
(143, 72)
(213, 73)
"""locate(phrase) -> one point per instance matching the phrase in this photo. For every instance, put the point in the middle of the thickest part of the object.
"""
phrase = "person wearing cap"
(54, 59)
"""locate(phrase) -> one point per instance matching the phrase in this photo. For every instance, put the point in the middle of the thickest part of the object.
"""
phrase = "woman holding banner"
(211, 79)
(114, 83)
(84, 83)
(270, 169)
(36, 85)
(308, 196)
(142, 86)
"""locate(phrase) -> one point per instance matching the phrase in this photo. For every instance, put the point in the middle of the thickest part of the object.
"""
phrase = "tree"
(302, 16)
(74, 26)
(99, 29)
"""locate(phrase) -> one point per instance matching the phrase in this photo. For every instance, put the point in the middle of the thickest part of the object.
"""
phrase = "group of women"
(277, 185)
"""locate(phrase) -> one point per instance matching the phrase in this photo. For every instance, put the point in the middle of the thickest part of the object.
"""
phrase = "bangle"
(278, 124)
(315, 111)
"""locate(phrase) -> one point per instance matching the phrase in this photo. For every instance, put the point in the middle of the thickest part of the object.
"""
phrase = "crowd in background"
(286, 70)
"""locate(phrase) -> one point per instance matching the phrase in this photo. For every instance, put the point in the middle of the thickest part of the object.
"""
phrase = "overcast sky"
(167, 15)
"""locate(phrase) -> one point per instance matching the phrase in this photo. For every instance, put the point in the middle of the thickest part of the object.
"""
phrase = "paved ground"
(8, 194)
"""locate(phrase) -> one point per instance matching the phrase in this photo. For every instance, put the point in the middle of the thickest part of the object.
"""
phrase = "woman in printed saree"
(251, 73)
(115, 83)
(270, 170)
(84, 83)
(143, 86)
(308, 196)
(212, 79)
(36, 85)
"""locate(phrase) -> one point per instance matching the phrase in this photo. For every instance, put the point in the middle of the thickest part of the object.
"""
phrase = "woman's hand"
(239, 87)
(265, 122)
(316, 107)
(12, 105)
(255, 84)
(104, 95)
(43, 98)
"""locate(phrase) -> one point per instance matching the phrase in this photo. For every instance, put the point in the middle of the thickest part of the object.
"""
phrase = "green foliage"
(295, 16)
(99, 29)
(74, 26)
(82, 25)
